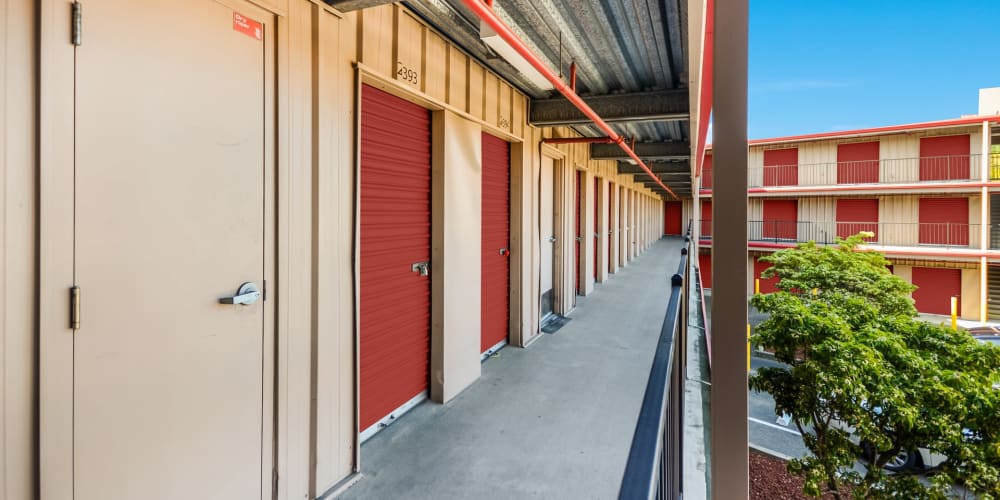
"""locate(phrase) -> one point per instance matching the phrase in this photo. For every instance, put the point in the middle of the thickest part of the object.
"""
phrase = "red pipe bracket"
(489, 17)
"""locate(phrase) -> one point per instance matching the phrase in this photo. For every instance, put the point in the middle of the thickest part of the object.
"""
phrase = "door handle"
(504, 252)
(421, 268)
(247, 294)
(552, 239)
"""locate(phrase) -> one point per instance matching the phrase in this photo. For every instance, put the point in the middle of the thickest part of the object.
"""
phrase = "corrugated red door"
(944, 221)
(766, 285)
(706, 172)
(672, 218)
(611, 228)
(705, 265)
(937, 287)
(857, 163)
(781, 219)
(945, 158)
(597, 212)
(706, 219)
(856, 215)
(781, 167)
(579, 230)
(495, 242)
(395, 234)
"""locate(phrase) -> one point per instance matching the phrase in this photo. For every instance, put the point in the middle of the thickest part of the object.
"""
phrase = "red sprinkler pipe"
(579, 140)
(485, 13)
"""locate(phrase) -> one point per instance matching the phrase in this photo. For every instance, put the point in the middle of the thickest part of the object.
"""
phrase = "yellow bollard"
(748, 347)
(954, 313)
(756, 286)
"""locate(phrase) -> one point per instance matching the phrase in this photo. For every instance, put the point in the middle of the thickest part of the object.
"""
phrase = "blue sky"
(825, 65)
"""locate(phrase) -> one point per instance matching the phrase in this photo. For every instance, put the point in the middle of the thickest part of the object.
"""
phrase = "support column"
(456, 207)
(729, 249)
(984, 222)
(623, 227)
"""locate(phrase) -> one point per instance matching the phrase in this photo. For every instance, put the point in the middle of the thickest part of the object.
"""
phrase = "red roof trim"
(875, 130)
(705, 95)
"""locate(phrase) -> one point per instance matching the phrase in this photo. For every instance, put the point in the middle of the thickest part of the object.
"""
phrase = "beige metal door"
(546, 234)
(172, 146)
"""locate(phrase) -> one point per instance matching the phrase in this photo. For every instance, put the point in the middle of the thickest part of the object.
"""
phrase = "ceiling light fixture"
(494, 41)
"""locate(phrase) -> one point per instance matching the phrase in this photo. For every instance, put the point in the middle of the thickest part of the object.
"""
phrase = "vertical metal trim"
(356, 258)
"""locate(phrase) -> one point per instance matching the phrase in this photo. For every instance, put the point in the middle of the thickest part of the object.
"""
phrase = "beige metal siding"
(970, 294)
(17, 253)
(755, 168)
(817, 217)
(975, 216)
(899, 218)
(817, 163)
(333, 176)
(896, 147)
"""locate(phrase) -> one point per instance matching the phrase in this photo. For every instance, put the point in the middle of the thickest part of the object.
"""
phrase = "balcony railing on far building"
(935, 234)
(934, 169)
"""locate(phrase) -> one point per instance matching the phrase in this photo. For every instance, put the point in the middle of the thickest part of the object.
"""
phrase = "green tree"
(865, 377)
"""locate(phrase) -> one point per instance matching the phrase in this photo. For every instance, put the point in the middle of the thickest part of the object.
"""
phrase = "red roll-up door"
(936, 288)
(395, 234)
(766, 285)
(945, 158)
(672, 218)
(579, 229)
(597, 212)
(944, 221)
(706, 219)
(706, 172)
(857, 163)
(495, 242)
(705, 265)
(854, 216)
(611, 228)
(781, 167)
(781, 219)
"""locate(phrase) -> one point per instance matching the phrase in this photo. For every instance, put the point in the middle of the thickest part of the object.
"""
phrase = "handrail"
(653, 469)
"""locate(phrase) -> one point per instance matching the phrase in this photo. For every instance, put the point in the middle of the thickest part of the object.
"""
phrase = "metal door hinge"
(263, 291)
(74, 307)
(274, 483)
(76, 32)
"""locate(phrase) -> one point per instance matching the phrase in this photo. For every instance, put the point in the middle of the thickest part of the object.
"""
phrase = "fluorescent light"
(504, 50)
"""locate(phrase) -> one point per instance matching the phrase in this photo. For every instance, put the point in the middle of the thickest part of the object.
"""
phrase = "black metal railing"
(654, 461)
(941, 234)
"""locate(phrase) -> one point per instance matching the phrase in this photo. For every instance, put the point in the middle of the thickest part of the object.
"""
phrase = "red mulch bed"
(770, 480)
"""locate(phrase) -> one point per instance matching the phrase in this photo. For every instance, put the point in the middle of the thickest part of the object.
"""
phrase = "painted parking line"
(776, 426)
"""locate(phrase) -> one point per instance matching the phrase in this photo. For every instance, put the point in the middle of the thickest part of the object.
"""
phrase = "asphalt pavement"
(767, 430)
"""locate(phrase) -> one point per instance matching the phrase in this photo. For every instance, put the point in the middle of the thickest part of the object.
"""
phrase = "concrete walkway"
(552, 421)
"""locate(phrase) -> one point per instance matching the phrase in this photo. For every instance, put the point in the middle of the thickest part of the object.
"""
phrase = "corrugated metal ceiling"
(618, 45)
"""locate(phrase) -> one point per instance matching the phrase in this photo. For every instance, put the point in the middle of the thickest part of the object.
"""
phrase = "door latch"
(421, 268)
(247, 294)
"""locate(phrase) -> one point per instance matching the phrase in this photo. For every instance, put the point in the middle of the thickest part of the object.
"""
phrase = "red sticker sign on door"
(248, 26)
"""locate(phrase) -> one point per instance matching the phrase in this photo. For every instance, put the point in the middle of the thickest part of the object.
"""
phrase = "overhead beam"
(349, 5)
(661, 105)
(676, 150)
(672, 181)
(625, 167)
